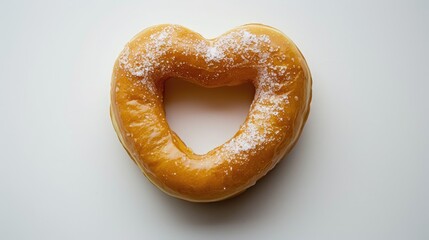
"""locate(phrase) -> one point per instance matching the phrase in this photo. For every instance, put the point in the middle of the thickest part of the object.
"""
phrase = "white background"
(359, 171)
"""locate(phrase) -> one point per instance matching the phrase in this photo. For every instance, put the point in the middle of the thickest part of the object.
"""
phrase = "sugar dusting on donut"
(256, 133)
(145, 58)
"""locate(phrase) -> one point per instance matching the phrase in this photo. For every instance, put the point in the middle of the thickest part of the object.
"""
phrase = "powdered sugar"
(243, 42)
(229, 51)
(214, 54)
(143, 59)
(257, 132)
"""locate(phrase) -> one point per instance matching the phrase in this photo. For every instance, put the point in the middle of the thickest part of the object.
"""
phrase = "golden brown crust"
(255, 53)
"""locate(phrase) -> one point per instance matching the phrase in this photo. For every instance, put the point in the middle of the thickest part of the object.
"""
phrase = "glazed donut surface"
(251, 53)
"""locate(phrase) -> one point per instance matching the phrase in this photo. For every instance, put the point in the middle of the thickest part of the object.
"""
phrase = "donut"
(252, 53)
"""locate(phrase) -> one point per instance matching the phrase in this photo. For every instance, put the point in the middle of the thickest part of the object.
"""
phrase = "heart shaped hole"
(205, 118)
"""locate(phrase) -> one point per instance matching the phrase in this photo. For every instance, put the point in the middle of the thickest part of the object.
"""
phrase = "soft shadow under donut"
(263, 201)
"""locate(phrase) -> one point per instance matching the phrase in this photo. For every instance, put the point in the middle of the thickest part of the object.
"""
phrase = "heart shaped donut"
(251, 53)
